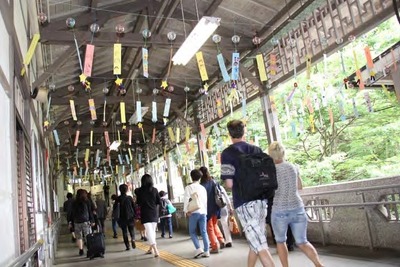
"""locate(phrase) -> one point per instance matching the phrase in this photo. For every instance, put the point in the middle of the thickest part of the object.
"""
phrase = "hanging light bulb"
(139, 90)
(256, 40)
(146, 33)
(171, 88)
(71, 88)
(236, 39)
(119, 28)
(104, 123)
(155, 91)
(105, 90)
(186, 89)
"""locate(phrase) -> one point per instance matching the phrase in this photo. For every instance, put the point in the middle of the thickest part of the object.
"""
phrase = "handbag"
(219, 199)
(233, 226)
(194, 202)
(171, 209)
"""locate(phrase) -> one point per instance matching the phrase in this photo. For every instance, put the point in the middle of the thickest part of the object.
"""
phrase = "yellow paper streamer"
(171, 134)
(87, 153)
(187, 134)
(117, 59)
(31, 51)
(92, 109)
(312, 123)
(261, 68)
(122, 108)
(119, 136)
(202, 66)
(73, 111)
(116, 168)
(130, 154)
(178, 134)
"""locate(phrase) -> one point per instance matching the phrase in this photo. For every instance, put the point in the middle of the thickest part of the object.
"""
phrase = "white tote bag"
(194, 201)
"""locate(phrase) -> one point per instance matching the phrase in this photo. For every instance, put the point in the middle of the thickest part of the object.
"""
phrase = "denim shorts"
(297, 219)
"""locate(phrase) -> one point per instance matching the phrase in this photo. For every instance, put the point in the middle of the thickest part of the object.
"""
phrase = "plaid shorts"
(252, 218)
(82, 228)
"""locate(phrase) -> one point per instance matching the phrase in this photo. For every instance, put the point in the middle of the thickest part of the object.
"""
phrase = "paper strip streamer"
(31, 51)
(92, 109)
(261, 68)
(91, 137)
(153, 137)
(106, 138)
(202, 66)
(178, 134)
(309, 105)
(87, 154)
(171, 134)
(154, 111)
(331, 116)
(203, 130)
(368, 101)
(187, 134)
(130, 153)
(89, 53)
(130, 137)
(138, 111)
(145, 62)
(119, 136)
(341, 111)
(117, 59)
(122, 111)
(127, 159)
(73, 111)
(76, 138)
(358, 72)
(120, 159)
(312, 123)
(167, 107)
(355, 108)
(235, 66)
(272, 64)
(222, 67)
(56, 138)
(244, 107)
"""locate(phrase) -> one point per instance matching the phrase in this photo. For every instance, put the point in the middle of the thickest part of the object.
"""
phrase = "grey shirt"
(286, 196)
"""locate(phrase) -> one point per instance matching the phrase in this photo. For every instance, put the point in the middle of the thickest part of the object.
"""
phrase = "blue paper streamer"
(235, 66)
(127, 159)
(222, 67)
(244, 114)
(120, 159)
(293, 126)
(56, 139)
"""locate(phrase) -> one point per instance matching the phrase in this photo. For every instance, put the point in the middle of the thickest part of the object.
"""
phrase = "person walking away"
(126, 216)
(101, 213)
(67, 209)
(197, 217)
(148, 198)
(81, 217)
(114, 215)
(165, 216)
(213, 212)
(251, 209)
(288, 208)
(225, 213)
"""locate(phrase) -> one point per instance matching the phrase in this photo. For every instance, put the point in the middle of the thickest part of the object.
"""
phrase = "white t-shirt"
(201, 191)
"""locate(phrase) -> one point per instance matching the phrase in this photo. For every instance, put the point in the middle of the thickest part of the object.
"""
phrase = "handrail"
(351, 190)
(344, 205)
(23, 258)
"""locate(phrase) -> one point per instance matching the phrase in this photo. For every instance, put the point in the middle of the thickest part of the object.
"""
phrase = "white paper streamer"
(167, 107)
(154, 111)
(138, 111)
(56, 139)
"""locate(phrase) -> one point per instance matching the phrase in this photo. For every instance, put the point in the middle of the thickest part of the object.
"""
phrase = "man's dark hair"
(236, 128)
(196, 175)
(113, 196)
(123, 188)
(69, 195)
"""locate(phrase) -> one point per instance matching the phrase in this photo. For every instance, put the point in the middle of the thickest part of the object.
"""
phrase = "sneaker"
(198, 253)
(115, 236)
(228, 245)
(221, 244)
(214, 251)
(162, 236)
(80, 252)
(133, 244)
(206, 254)
(170, 236)
(142, 238)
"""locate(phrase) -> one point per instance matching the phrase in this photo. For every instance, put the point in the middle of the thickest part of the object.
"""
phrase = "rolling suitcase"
(95, 245)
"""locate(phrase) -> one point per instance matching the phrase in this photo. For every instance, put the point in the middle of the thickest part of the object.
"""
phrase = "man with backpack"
(126, 216)
(252, 176)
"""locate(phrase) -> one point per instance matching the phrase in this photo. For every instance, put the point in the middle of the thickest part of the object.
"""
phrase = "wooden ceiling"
(62, 68)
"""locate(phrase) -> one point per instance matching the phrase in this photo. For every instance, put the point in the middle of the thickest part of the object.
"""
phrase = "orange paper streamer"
(76, 138)
(370, 63)
(107, 138)
(87, 70)
(153, 138)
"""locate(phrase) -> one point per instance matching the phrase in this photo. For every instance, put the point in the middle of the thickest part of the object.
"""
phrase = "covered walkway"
(178, 252)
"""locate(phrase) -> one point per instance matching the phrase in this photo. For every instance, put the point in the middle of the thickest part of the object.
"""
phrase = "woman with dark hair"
(81, 217)
(213, 212)
(147, 198)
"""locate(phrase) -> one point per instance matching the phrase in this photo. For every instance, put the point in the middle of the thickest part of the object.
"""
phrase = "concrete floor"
(178, 251)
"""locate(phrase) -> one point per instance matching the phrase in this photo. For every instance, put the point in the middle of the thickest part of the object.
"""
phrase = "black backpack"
(219, 198)
(255, 175)
(163, 207)
(127, 211)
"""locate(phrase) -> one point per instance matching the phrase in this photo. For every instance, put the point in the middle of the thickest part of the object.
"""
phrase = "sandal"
(149, 251)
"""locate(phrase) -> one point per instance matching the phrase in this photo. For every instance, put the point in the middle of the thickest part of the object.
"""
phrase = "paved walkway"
(178, 251)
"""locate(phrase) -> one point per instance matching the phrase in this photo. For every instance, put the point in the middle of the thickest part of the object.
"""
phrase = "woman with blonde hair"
(288, 208)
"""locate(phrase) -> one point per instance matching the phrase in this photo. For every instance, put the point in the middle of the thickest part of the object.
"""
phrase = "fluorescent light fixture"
(115, 145)
(203, 30)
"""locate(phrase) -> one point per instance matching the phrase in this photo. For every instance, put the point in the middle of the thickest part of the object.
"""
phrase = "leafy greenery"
(346, 139)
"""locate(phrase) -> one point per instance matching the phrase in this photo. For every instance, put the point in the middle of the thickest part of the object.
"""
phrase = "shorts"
(82, 228)
(252, 218)
(297, 219)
